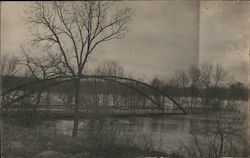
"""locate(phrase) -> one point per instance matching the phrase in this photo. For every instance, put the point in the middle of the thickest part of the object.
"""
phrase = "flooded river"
(161, 133)
(165, 134)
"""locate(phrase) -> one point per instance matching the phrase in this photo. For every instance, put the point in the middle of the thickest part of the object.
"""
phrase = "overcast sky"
(165, 36)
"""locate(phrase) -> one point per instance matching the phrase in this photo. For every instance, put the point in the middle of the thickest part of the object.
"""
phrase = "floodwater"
(159, 133)
(164, 134)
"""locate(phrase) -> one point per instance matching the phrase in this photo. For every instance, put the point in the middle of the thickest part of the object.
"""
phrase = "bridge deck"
(69, 112)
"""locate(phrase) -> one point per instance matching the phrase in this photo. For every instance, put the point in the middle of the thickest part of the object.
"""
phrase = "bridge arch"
(115, 79)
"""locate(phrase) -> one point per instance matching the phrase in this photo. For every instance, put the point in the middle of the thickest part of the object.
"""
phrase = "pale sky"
(165, 36)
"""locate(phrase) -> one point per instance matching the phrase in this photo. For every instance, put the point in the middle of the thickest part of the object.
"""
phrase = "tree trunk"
(76, 112)
(37, 101)
(48, 99)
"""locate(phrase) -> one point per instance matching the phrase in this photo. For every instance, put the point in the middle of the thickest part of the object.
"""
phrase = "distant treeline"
(234, 92)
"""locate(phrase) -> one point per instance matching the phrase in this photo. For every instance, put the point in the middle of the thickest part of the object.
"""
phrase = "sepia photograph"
(124, 79)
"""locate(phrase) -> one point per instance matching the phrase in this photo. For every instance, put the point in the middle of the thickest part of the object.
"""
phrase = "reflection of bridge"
(140, 90)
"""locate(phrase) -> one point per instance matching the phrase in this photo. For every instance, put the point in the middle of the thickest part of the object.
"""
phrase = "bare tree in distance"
(74, 30)
(41, 67)
(180, 79)
(109, 67)
(194, 75)
(206, 70)
(178, 82)
(9, 69)
(220, 76)
(202, 86)
(9, 65)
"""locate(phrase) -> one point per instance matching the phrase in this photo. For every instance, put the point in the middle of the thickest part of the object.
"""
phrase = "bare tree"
(206, 70)
(204, 83)
(40, 67)
(213, 77)
(9, 70)
(220, 76)
(178, 83)
(74, 30)
(157, 83)
(194, 76)
(110, 68)
(217, 138)
(9, 65)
